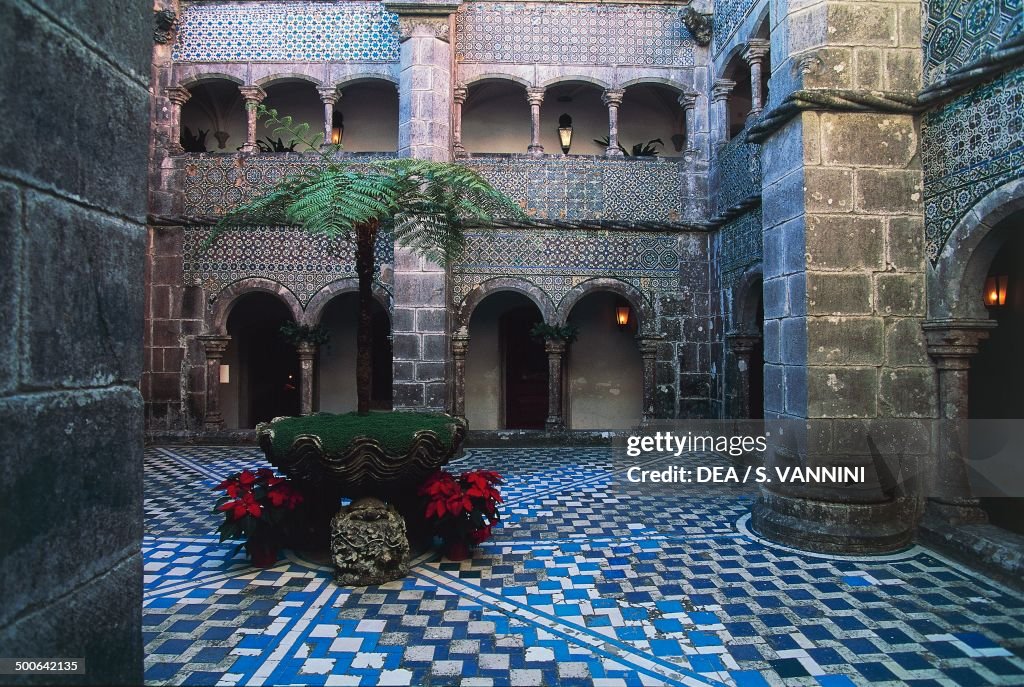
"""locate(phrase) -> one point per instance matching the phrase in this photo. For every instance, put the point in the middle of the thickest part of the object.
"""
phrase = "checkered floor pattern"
(588, 582)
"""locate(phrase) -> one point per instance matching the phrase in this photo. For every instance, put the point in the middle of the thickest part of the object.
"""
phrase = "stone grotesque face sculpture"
(369, 544)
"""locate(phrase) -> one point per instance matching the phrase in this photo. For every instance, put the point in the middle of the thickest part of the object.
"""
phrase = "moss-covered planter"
(385, 454)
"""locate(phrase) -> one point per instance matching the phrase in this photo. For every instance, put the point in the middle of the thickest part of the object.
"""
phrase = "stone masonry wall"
(71, 271)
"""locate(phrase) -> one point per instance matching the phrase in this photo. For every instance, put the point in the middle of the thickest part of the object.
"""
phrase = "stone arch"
(226, 299)
(482, 291)
(744, 310)
(956, 281)
(495, 76)
(575, 78)
(633, 295)
(315, 308)
(680, 88)
(278, 77)
(196, 79)
(733, 62)
(350, 79)
(762, 23)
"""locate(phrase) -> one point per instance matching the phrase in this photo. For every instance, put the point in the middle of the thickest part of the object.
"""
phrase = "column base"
(957, 511)
(833, 527)
(614, 152)
(535, 151)
(213, 423)
(554, 424)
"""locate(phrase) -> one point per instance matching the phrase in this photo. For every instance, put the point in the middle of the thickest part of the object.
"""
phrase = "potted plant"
(261, 508)
(553, 332)
(462, 509)
(300, 334)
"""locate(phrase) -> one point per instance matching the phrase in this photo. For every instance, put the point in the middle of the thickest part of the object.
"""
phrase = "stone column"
(688, 101)
(613, 98)
(459, 94)
(307, 354)
(460, 347)
(720, 93)
(742, 346)
(178, 97)
(952, 344)
(214, 345)
(555, 349)
(535, 96)
(421, 343)
(253, 96)
(757, 50)
(329, 95)
(649, 352)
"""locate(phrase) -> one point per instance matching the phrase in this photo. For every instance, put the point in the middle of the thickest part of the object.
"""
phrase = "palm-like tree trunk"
(366, 239)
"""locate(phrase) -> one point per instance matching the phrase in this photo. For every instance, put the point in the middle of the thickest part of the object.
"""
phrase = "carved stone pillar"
(648, 351)
(952, 344)
(214, 345)
(720, 103)
(253, 96)
(307, 354)
(460, 347)
(329, 95)
(535, 96)
(757, 50)
(688, 101)
(742, 346)
(178, 97)
(613, 98)
(458, 99)
(555, 349)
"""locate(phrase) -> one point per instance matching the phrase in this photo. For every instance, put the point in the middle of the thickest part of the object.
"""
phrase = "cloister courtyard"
(588, 581)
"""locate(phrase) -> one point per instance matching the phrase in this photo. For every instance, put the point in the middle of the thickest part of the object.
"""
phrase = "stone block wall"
(72, 216)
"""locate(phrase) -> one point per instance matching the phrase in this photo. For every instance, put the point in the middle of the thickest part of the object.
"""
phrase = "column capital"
(179, 95)
(554, 346)
(613, 96)
(329, 94)
(722, 89)
(459, 93)
(952, 343)
(306, 350)
(688, 100)
(757, 50)
(432, 26)
(252, 94)
(460, 344)
(743, 343)
(535, 95)
(214, 344)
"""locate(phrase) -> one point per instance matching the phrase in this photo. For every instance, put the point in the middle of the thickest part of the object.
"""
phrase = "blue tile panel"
(588, 581)
(959, 33)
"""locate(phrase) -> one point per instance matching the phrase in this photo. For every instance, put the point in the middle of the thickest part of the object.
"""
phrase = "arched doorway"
(213, 119)
(263, 373)
(997, 371)
(496, 117)
(605, 369)
(506, 368)
(335, 389)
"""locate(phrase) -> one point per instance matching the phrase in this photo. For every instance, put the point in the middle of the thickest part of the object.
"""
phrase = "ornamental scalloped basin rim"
(364, 467)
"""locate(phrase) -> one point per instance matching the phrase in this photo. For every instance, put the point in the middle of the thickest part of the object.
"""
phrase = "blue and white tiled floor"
(586, 583)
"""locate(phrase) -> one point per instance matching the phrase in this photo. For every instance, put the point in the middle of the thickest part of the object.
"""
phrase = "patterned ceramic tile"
(727, 16)
(588, 582)
(286, 32)
(742, 245)
(961, 32)
(570, 33)
(738, 170)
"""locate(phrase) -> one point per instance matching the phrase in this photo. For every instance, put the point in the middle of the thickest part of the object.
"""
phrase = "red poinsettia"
(463, 508)
(258, 506)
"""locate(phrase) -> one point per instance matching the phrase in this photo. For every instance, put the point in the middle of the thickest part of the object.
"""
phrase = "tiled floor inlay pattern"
(586, 583)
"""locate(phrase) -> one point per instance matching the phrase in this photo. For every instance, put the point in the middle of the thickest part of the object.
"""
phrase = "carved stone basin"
(384, 455)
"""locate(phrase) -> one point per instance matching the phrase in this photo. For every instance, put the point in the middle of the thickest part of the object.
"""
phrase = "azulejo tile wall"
(727, 16)
(742, 245)
(214, 183)
(970, 147)
(739, 172)
(960, 32)
(286, 31)
(302, 263)
(589, 188)
(570, 33)
(557, 260)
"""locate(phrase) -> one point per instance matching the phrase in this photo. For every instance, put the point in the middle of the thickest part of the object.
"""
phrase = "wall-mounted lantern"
(995, 291)
(622, 316)
(337, 128)
(565, 132)
(225, 374)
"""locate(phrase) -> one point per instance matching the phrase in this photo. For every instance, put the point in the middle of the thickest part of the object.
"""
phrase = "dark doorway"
(268, 366)
(526, 370)
(997, 372)
(336, 369)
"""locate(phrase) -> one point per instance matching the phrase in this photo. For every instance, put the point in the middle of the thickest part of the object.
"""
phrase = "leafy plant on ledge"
(278, 146)
(638, 150)
(297, 334)
(194, 143)
(552, 332)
